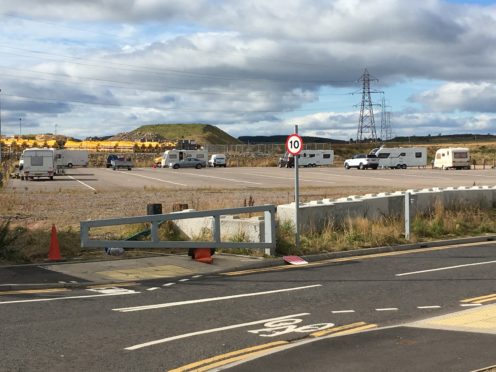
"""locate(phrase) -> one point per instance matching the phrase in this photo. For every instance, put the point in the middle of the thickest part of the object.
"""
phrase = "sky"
(86, 68)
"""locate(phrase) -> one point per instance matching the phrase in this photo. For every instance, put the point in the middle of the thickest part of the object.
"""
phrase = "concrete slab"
(149, 267)
(480, 320)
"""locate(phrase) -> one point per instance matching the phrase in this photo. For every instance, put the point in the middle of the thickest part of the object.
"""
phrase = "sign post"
(294, 145)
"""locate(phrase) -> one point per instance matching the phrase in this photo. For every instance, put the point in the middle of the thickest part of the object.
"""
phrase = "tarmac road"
(210, 321)
(103, 179)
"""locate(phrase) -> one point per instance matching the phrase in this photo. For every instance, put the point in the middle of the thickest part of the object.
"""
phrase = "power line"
(162, 71)
(77, 102)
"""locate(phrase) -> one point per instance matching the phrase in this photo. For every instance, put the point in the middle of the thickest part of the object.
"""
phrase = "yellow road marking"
(336, 329)
(234, 356)
(249, 351)
(35, 291)
(478, 298)
(485, 300)
(352, 258)
(354, 330)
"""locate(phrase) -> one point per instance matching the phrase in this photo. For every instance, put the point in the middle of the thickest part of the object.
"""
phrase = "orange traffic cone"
(54, 253)
(203, 255)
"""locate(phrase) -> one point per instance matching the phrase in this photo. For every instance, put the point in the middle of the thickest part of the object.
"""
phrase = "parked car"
(111, 157)
(362, 161)
(188, 163)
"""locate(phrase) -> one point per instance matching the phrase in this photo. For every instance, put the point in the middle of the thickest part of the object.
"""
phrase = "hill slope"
(201, 133)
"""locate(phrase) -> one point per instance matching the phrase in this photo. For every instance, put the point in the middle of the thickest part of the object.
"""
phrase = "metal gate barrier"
(268, 245)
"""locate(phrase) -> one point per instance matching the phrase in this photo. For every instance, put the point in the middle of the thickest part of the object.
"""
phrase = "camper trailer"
(171, 156)
(37, 163)
(308, 158)
(401, 157)
(71, 158)
(452, 158)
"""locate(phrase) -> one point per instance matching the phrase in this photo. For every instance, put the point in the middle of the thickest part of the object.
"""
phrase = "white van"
(452, 158)
(71, 158)
(172, 156)
(217, 160)
(401, 157)
(37, 163)
(308, 158)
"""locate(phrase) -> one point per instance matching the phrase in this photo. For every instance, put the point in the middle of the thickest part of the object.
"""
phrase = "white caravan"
(37, 163)
(452, 157)
(174, 155)
(401, 157)
(71, 158)
(308, 158)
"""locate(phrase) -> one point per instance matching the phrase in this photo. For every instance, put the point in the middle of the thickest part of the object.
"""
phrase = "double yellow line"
(250, 352)
(480, 299)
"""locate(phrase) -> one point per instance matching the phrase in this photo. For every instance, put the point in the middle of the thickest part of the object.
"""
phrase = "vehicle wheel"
(128, 168)
(403, 166)
(361, 166)
(225, 165)
(51, 178)
(22, 178)
(198, 166)
(69, 165)
(375, 167)
(114, 168)
(176, 166)
(346, 166)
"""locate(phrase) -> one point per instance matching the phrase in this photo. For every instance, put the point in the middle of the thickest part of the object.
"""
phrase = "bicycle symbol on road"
(282, 326)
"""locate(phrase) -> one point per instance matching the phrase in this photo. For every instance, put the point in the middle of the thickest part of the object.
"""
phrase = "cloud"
(474, 97)
(247, 66)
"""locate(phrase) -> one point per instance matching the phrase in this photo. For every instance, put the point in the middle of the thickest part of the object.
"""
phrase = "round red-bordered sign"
(294, 144)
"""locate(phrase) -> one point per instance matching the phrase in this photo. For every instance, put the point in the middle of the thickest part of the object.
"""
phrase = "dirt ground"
(65, 209)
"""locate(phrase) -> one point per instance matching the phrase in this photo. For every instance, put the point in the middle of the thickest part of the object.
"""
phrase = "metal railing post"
(217, 229)
(154, 231)
(270, 232)
(407, 215)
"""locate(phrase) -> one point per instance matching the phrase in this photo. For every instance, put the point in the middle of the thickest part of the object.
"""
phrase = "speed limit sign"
(294, 144)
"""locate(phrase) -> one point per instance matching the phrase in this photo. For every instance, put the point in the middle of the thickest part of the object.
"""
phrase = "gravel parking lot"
(94, 193)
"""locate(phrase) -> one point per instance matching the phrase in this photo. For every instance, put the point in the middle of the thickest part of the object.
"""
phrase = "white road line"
(429, 307)
(234, 326)
(222, 178)
(168, 284)
(82, 183)
(342, 311)
(183, 280)
(446, 268)
(470, 305)
(151, 178)
(387, 309)
(152, 289)
(355, 176)
(288, 178)
(196, 276)
(66, 298)
(211, 299)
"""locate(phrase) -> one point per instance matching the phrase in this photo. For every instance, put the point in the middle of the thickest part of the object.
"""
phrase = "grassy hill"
(201, 133)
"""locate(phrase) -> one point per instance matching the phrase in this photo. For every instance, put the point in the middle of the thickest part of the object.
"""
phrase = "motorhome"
(308, 158)
(37, 163)
(71, 158)
(401, 157)
(452, 158)
(171, 156)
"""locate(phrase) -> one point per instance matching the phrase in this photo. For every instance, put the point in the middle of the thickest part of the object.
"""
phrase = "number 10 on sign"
(294, 144)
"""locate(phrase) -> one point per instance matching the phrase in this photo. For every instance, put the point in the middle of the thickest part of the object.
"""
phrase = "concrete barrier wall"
(316, 215)
(231, 228)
